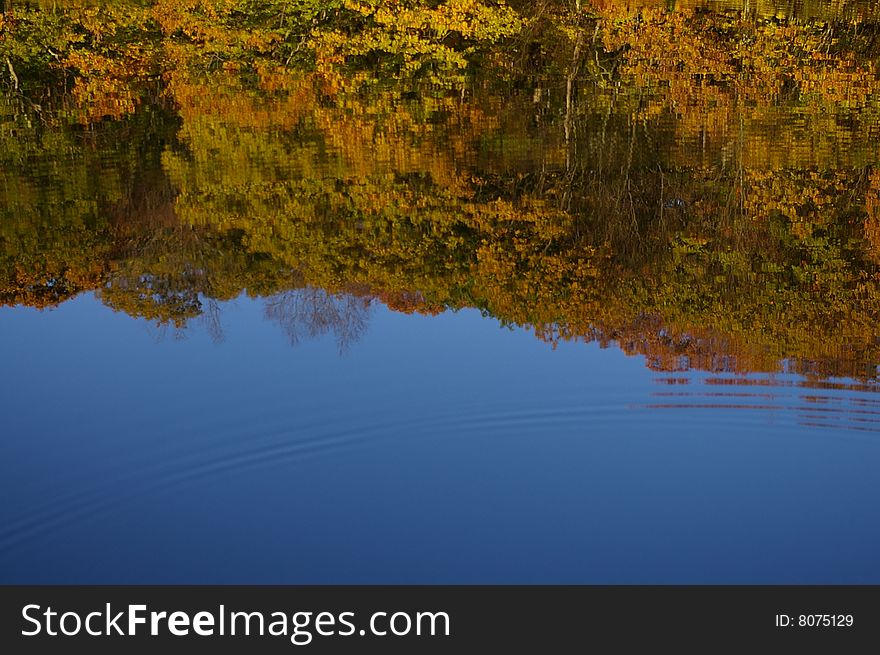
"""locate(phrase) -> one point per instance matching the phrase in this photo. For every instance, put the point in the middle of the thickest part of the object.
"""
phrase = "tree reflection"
(697, 181)
(312, 313)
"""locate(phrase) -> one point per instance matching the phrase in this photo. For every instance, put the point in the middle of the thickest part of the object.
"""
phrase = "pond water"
(439, 449)
(546, 297)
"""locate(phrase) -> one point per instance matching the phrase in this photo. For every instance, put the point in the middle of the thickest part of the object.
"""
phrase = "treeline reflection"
(695, 181)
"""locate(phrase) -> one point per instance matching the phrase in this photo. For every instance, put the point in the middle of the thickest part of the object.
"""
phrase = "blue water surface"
(443, 449)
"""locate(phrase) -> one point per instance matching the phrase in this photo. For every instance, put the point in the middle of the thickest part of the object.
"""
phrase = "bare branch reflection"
(211, 320)
(311, 313)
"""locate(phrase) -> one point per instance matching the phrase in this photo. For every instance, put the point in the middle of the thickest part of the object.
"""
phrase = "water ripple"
(816, 404)
(192, 458)
(206, 447)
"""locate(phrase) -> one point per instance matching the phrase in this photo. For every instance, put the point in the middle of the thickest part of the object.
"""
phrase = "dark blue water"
(430, 450)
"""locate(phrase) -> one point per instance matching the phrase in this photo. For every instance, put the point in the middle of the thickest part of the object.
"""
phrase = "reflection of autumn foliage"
(408, 302)
(105, 86)
(696, 186)
(731, 79)
(872, 220)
